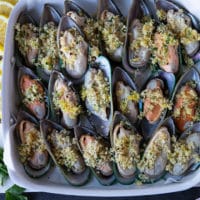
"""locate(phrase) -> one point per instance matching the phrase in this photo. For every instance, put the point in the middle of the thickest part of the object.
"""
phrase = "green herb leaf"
(15, 193)
(3, 169)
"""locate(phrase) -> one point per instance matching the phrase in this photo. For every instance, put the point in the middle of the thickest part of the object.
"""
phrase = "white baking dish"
(54, 182)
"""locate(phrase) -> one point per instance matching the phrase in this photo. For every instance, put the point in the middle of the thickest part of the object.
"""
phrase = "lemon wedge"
(1, 50)
(5, 8)
(13, 2)
(3, 26)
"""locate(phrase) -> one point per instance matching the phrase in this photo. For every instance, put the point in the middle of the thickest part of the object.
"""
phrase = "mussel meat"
(27, 39)
(64, 99)
(73, 48)
(33, 92)
(63, 149)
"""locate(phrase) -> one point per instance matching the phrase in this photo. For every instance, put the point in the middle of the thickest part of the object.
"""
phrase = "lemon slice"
(5, 8)
(3, 25)
(1, 51)
(13, 2)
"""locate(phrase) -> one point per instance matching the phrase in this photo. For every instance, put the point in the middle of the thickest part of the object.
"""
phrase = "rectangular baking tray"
(53, 182)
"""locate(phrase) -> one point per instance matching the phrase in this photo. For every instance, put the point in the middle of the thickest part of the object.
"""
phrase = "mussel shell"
(102, 126)
(191, 165)
(169, 5)
(71, 5)
(169, 124)
(110, 6)
(56, 115)
(46, 127)
(26, 71)
(34, 173)
(169, 84)
(66, 23)
(104, 180)
(24, 18)
(137, 10)
(49, 14)
(120, 75)
(190, 75)
(117, 118)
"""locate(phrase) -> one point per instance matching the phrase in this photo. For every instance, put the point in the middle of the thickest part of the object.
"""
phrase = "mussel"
(96, 153)
(182, 23)
(186, 100)
(125, 94)
(154, 160)
(48, 56)
(112, 29)
(64, 100)
(125, 142)
(88, 25)
(27, 40)
(64, 151)
(97, 94)
(31, 148)
(73, 48)
(137, 48)
(32, 93)
(185, 153)
(156, 98)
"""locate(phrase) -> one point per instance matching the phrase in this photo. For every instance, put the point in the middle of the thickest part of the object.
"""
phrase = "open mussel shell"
(189, 76)
(30, 170)
(24, 18)
(101, 125)
(137, 10)
(117, 119)
(49, 14)
(104, 180)
(119, 75)
(57, 115)
(110, 6)
(169, 80)
(150, 175)
(47, 127)
(190, 135)
(39, 112)
(166, 5)
(71, 5)
(67, 23)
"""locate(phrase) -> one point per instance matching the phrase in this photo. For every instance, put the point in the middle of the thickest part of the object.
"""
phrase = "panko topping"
(186, 103)
(181, 153)
(27, 37)
(65, 99)
(48, 55)
(73, 47)
(126, 150)
(64, 148)
(97, 92)
(113, 31)
(158, 146)
(144, 38)
(165, 46)
(32, 90)
(133, 96)
(31, 142)
(95, 152)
